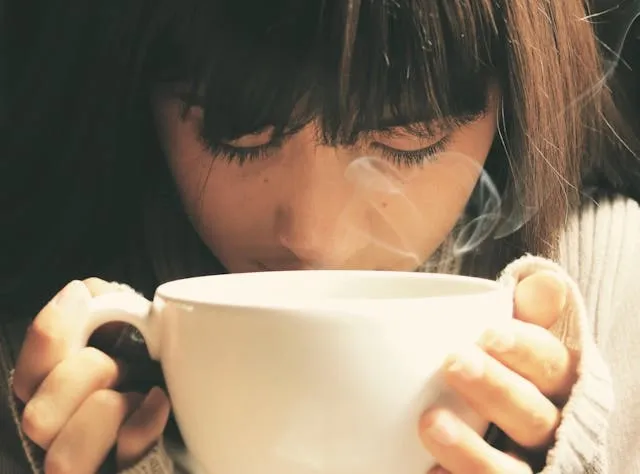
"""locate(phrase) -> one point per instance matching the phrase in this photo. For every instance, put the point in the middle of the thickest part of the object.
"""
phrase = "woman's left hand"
(518, 377)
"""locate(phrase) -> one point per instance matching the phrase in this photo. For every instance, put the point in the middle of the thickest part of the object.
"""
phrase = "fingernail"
(155, 395)
(74, 296)
(467, 364)
(443, 429)
(498, 340)
(541, 298)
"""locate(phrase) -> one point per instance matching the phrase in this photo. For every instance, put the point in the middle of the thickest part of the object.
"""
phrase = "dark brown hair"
(79, 149)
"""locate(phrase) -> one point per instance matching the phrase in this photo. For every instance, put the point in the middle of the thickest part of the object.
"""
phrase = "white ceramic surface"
(309, 372)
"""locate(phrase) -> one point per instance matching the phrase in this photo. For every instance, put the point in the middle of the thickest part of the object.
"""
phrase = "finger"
(53, 335)
(86, 439)
(64, 390)
(535, 354)
(460, 450)
(507, 399)
(143, 428)
(540, 298)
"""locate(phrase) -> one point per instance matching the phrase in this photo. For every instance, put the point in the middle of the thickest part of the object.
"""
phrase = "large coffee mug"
(309, 372)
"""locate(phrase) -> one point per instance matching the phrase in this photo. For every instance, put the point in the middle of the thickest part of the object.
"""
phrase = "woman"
(147, 141)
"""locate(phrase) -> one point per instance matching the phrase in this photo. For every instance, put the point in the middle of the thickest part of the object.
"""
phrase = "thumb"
(143, 429)
(540, 298)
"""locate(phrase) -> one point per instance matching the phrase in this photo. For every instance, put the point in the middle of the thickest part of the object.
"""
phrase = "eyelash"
(414, 157)
(241, 156)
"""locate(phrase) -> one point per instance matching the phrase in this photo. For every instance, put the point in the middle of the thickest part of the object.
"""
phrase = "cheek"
(212, 191)
(186, 156)
(426, 208)
(192, 165)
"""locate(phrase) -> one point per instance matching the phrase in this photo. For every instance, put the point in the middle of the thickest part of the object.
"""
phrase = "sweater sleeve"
(599, 256)
(156, 461)
(602, 251)
(581, 438)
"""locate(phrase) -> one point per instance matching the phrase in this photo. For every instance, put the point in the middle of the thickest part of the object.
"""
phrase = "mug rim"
(169, 291)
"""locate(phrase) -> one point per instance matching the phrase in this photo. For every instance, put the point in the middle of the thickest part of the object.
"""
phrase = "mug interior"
(321, 285)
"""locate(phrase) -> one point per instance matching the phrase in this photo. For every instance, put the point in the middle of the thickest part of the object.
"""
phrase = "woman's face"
(385, 203)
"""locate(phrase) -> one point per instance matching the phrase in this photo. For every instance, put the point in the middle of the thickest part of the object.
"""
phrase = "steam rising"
(377, 180)
(486, 199)
(372, 177)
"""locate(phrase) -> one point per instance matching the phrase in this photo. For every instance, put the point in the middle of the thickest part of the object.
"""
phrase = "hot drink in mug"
(301, 372)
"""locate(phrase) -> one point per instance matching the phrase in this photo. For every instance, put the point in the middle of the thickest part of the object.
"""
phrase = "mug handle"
(126, 307)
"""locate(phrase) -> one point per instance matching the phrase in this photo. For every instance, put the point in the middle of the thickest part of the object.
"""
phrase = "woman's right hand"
(71, 407)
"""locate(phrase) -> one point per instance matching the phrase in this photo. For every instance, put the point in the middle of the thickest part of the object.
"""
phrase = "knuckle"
(497, 339)
(497, 396)
(20, 388)
(541, 428)
(103, 368)
(93, 281)
(524, 359)
(554, 368)
(493, 388)
(559, 376)
(97, 285)
(44, 334)
(96, 358)
(107, 401)
(89, 369)
(36, 423)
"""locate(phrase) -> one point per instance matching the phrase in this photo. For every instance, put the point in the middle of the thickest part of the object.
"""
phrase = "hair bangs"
(411, 61)
(349, 65)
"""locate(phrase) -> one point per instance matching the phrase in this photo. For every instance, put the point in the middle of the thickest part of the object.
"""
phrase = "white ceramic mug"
(301, 372)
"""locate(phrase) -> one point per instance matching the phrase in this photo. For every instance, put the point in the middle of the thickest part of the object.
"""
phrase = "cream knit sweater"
(599, 255)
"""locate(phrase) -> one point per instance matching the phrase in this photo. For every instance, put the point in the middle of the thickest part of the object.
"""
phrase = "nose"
(317, 214)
